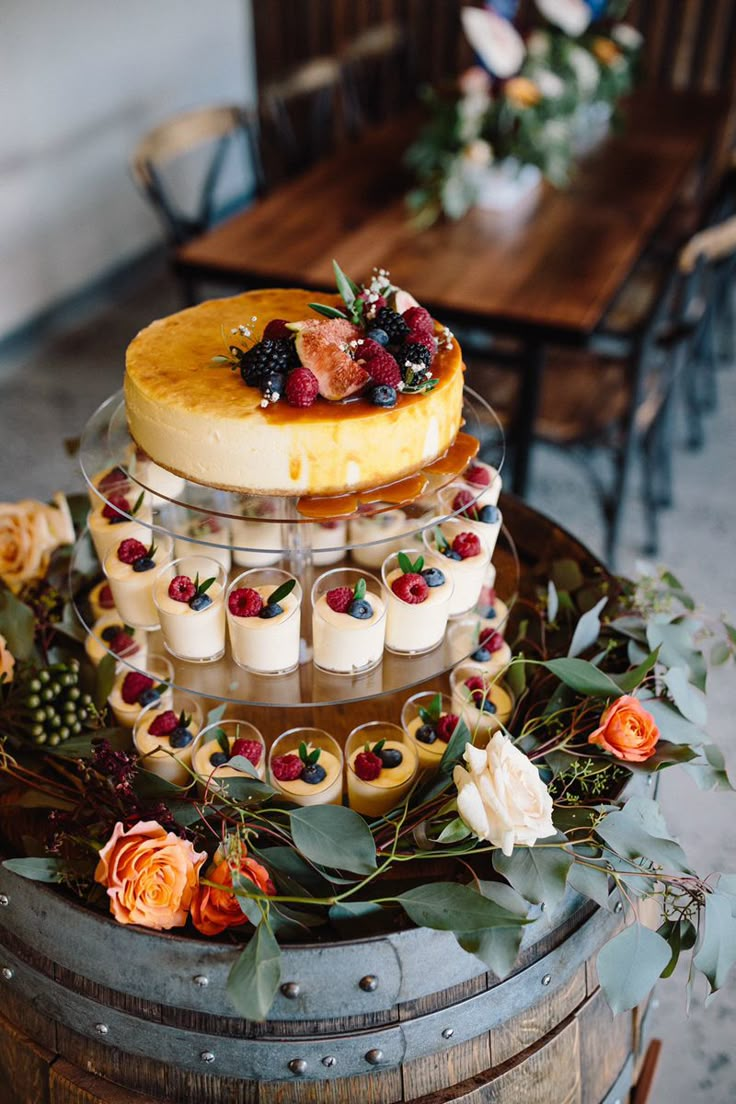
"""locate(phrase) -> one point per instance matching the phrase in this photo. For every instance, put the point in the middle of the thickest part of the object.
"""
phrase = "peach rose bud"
(627, 730)
(215, 908)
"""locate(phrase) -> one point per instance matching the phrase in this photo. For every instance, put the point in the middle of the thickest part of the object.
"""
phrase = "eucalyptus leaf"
(688, 698)
(677, 647)
(240, 763)
(454, 832)
(587, 630)
(45, 869)
(215, 715)
(553, 602)
(17, 624)
(245, 790)
(566, 575)
(515, 676)
(665, 754)
(328, 312)
(441, 905)
(346, 288)
(254, 979)
(720, 653)
(629, 965)
(671, 723)
(712, 774)
(105, 679)
(245, 897)
(583, 677)
(334, 836)
(498, 948)
(537, 873)
(590, 882)
(717, 951)
(630, 680)
(638, 832)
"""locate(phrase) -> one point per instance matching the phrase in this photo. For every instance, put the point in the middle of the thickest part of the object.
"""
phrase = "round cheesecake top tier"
(202, 421)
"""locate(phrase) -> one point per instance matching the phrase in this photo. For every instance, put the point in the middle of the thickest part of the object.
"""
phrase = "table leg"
(523, 434)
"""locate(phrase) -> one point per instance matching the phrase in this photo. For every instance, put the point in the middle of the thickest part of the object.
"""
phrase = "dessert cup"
(132, 589)
(157, 668)
(493, 613)
(163, 484)
(423, 711)
(481, 723)
(323, 791)
(332, 537)
(468, 575)
(490, 492)
(158, 755)
(214, 538)
(101, 600)
(194, 635)
(377, 796)
(102, 636)
(487, 531)
(376, 536)
(266, 645)
(210, 774)
(344, 644)
(106, 532)
(467, 638)
(414, 628)
(249, 537)
(113, 480)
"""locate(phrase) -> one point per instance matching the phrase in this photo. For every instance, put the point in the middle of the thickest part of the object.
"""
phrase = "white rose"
(550, 85)
(571, 16)
(501, 797)
(585, 67)
(627, 36)
(555, 132)
(496, 42)
(478, 152)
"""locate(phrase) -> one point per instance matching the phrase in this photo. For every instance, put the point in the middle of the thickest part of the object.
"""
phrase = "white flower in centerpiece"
(478, 152)
(496, 42)
(550, 85)
(501, 797)
(571, 16)
(626, 36)
(555, 132)
(537, 45)
(585, 67)
(474, 81)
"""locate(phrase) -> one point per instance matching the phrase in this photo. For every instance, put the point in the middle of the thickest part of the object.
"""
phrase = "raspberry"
(474, 684)
(419, 320)
(368, 765)
(122, 644)
(481, 477)
(131, 550)
(446, 725)
(105, 598)
(133, 686)
(411, 588)
(117, 478)
(384, 368)
(286, 768)
(302, 387)
(466, 545)
(164, 724)
(249, 749)
(369, 349)
(462, 500)
(277, 329)
(340, 599)
(418, 337)
(115, 504)
(245, 602)
(491, 640)
(182, 589)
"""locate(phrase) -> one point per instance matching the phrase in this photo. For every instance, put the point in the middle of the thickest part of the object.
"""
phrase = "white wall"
(80, 82)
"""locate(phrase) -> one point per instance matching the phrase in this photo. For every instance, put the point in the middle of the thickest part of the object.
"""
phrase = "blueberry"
(313, 774)
(109, 634)
(378, 335)
(273, 384)
(433, 577)
(147, 696)
(383, 395)
(145, 563)
(481, 655)
(117, 520)
(181, 737)
(488, 706)
(390, 757)
(488, 614)
(488, 514)
(361, 609)
(218, 758)
(425, 735)
(200, 602)
(273, 609)
(451, 554)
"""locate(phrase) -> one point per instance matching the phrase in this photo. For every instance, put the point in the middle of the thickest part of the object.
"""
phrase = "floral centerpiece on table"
(608, 679)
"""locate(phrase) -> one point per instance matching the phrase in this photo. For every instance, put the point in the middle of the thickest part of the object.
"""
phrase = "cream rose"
(29, 533)
(571, 16)
(501, 797)
(7, 661)
(496, 41)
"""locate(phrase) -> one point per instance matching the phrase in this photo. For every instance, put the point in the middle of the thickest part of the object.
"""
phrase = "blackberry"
(413, 354)
(392, 324)
(272, 355)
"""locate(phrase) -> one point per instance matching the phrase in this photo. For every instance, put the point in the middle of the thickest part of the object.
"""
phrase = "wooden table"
(546, 272)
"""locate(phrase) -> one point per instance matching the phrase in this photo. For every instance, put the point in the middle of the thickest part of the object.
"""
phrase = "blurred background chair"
(378, 68)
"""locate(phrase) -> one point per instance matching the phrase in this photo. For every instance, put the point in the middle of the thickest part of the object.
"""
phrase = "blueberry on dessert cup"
(381, 765)
(306, 766)
(133, 690)
(165, 735)
(374, 537)
(492, 611)
(348, 621)
(483, 701)
(189, 594)
(202, 535)
(130, 567)
(481, 645)
(484, 521)
(111, 636)
(264, 621)
(483, 478)
(464, 559)
(120, 517)
(228, 749)
(429, 720)
(418, 596)
(101, 600)
(328, 540)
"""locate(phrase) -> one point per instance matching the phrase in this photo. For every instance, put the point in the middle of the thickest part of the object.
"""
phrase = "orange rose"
(29, 533)
(151, 875)
(522, 92)
(7, 661)
(606, 51)
(214, 910)
(627, 730)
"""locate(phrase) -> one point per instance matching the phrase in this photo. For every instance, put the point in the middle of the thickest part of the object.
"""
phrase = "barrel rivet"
(448, 1032)
(374, 1056)
(4, 900)
(618, 907)
(207, 1056)
(329, 1061)
(291, 990)
(298, 1067)
(7, 973)
(546, 979)
(201, 981)
(101, 1029)
(369, 983)
(650, 782)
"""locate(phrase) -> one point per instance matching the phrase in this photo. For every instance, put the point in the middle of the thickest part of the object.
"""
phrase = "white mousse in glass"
(465, 560)
(204, 535)
(264, 622)
(189, 594)
(130, 567)
(483, 520)
(484, 478)
(256, 542)
(373, 538)
(108, 524)
(348, 621)
(418, 596)
(328, 540)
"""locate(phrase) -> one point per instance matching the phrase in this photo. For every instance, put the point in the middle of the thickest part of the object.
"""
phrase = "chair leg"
(726, 320)
(664, 446)
(649, 448)
(695, 436)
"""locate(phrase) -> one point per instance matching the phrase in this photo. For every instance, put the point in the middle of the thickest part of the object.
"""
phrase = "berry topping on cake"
(419, 320)
(182, 589)
(414, 355)
(339, 599)
(164, 724)
(286, 768)
(411, 588)
(466, 545)
(425, 734)
(249, 749)
(302, 388)
(368, 766)
(266, 357)
(393, 324)
(337, 374)
(478, 475)
(245, 602)
(383, 396)
(313, 774)
(491, 640)
(433, 577)
(131, 550)
(446, 725)
(276, 329)
(114, 506)
(390, 757)
(134, 684)
(105, 599)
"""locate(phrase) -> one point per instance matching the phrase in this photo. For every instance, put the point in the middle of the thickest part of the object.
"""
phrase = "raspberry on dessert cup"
(264, 620)
(382, 763)
(486, 479)
(429, 720)
(228, 750)
(189, 594)
(306, 766)
(464, 559)
(166, 736)
(111, 636)
(130, 567)
(476, 640)
(348, 621)
(112, 519)
(201, 534)
(483, 701)
(328, 540)
(463, 502)
(113, 480)
(257, 541)
(418, 595)
(101, 600)
(136, 688)
(374, 537)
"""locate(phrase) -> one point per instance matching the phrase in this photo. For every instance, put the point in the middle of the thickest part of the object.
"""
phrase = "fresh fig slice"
(402, 300)
(337, 330)
(337, 374)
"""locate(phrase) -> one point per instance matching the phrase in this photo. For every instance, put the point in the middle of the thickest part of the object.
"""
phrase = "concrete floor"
(47, 395)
